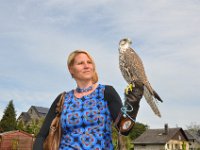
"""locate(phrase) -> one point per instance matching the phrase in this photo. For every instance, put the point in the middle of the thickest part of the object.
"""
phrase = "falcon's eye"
(123, 42)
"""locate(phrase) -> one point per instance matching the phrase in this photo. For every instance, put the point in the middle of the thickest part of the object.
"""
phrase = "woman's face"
(83, 68)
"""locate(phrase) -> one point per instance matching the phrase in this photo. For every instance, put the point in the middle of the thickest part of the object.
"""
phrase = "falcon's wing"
(134, 65)
(135, 69)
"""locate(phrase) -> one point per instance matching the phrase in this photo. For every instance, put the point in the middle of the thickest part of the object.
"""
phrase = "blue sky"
(36, 37)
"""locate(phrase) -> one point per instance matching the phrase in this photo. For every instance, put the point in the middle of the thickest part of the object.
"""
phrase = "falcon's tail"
(151, 101)
(157, 96)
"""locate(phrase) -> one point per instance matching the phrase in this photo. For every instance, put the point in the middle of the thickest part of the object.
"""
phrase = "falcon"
(132, 69)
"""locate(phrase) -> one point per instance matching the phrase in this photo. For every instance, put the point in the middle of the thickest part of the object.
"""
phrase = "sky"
(36, 36)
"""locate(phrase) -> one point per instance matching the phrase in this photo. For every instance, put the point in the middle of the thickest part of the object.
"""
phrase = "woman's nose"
(86, 65)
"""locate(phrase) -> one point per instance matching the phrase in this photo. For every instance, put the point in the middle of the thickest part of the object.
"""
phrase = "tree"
(194, 128)
(20, 125)
(8, 121)
(137, 130)
(33, 127)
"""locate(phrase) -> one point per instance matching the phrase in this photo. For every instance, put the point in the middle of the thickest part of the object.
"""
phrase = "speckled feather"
(132, 69)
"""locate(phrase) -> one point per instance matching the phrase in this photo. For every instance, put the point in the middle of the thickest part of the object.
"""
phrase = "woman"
(88, 110)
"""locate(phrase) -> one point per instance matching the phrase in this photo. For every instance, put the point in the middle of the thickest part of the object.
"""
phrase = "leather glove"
(126, 118)
(133, 97)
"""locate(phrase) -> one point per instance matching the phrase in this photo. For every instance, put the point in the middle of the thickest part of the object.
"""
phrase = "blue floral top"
(86, 122)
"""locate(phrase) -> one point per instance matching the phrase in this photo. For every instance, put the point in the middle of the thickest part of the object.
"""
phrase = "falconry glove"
(126, 118)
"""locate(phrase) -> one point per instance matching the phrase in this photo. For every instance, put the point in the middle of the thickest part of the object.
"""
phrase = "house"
(194, 140)
(162, 139)
(16, 140)
(34, 113)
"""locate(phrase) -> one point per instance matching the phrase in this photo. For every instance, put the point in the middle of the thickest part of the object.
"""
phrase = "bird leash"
(127, 108)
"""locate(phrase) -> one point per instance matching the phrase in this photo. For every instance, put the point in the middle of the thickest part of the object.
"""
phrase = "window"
(176, 146)
(167, 146)
(179, 137)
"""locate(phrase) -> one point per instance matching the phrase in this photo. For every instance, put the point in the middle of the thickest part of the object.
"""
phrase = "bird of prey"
(132, 70)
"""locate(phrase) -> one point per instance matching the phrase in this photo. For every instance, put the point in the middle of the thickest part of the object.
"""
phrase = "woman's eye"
(79, 63)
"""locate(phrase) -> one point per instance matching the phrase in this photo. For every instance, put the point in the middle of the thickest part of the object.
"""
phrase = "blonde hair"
(71, 58)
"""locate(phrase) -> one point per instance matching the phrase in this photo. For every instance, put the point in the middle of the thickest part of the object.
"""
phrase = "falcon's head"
(125, 43)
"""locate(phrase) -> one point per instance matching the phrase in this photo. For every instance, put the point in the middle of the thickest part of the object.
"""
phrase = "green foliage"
(8, 121)
(114, 136)
(33, 127)
(183, 146)
(21, 126)
(127, 142)
(137, 130)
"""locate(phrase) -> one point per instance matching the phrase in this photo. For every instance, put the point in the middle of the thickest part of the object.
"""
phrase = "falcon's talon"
(129, 88)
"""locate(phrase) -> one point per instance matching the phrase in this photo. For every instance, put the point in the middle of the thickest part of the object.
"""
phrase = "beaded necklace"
(81, 90)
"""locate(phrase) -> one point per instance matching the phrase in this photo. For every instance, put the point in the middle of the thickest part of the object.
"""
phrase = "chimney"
(166, 129)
